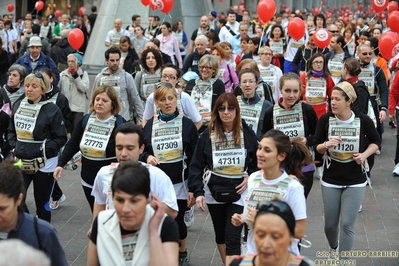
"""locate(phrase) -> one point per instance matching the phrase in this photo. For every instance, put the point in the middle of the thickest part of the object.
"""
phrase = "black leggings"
(89, 197)
(42, 186)
(225, 231)
(307, 182)
(180, 219)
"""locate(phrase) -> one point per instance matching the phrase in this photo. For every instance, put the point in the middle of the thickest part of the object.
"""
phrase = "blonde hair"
(44, 80)
(161, 93)
(112, 94)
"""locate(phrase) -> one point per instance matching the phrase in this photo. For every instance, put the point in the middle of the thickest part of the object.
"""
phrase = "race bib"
(335, 66)
(367, 76)
(167, 140)
(202, 96)
(316, 91)
(96, 137)
(350, 134)
(269, 77)
(276, 47)
(25, 119)
(290, 122)
(251, 113)
(228, 158)
(148, 83)
(113, 81)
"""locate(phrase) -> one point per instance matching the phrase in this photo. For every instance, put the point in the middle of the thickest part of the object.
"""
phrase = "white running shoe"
(189, 217)
(395, 171)
(361, 208)
(54, 204)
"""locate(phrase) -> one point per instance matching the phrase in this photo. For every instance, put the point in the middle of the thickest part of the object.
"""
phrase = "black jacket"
(131, 58)
(302, 56)
(50, 126)
(63, 104)
(267, 90)
(192, 61)
(190, 138)
(202, 159)
(60, 51)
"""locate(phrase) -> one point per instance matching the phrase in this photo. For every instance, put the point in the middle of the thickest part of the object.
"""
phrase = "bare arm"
(169, 211)
(96, 210)
(198, 125)
(300, 228)
(92, 257)
(190, 47)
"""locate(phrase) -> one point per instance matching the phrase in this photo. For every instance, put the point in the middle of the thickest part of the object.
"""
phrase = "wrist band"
(324, 145)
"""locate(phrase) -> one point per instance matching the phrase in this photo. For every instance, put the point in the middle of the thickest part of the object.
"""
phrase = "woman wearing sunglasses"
(274, 230)
(252, 107)
(341, 136)
(281, 160)
(151, 63)
(170, 141)
(37, 132)
(206, 89)
(226, 151)
(303, 127)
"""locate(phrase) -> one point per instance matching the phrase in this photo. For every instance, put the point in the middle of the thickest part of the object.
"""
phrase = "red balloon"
(297, 11)
(360, 7)
(156, 4)
(379, 5)
(322, 38)
(82, 10)
(287, 10)
(69, 7)
(57, 13)
(353, 1)
(316, 11)
(167, 6)
(266, 9)
(145, 2)
(296, 28)
(39, 5)
(76, 38)
(389, 44)
(393, 21)
(10, 7)
(392, 6)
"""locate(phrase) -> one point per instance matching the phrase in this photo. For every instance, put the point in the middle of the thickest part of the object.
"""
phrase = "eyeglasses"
(166, 84)
(248, 82)
(317, 62)
(168, 77)
(365, 53)
(273, 206)
(223, 108)
(205, 67)
(267, 54)
(333, 31)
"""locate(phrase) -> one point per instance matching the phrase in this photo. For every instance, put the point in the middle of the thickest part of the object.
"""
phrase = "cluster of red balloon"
(164, 5)
(389, 41)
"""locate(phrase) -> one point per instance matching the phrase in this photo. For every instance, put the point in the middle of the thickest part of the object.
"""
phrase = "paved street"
(377, 227)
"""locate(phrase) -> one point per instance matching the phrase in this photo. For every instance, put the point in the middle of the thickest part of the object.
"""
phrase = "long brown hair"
(310, 64)
(216, 123)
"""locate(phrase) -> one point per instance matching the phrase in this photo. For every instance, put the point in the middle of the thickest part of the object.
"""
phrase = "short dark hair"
(132, 178)
(93, 9)
(156, 42)
(130, 128)
(134, 17)
(231, 12)
(320, 15)
(11, 180)
(112, 50)
(36, 29)
(156, 18)
(156, 53)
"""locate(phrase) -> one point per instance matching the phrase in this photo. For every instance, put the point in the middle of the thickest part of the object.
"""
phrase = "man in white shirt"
(129, 144)
(115, 34)
(229, 30)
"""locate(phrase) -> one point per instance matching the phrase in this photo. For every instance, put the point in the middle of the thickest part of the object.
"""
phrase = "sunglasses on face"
(365, 53)
(205, 67)
(333, 31)
(229, 108)
(267, 54)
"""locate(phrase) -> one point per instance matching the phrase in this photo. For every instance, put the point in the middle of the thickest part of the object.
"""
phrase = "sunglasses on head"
(39, 75)
(166, 84)
(273, 206)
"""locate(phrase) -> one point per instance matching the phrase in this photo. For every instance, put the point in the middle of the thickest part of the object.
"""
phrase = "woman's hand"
(156, 219)
(190, 199)
(243, 186)
(251, 216)
(236, 219)
(359, 158)
(304, 140)
(57, 173)
(200, 201)
(152, 160)
(333, 142)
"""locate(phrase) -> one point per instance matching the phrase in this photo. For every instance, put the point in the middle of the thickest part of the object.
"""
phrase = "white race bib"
(367, 76)
(148, 83)
(350, 134)
(25, 119)
(316, 91)
(335, 65)
(290, 122)
(202, 96)
(251, 113)
(276, 47)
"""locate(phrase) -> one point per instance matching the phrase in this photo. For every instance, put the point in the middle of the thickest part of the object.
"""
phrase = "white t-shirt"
(113, 34)
(187, 109)
(276, 83)
(294, 197)
(161, 185)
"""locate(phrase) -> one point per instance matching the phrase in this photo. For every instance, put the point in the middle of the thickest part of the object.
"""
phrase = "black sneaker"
(184, 258)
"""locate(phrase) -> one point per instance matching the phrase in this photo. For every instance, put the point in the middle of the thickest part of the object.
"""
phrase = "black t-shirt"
(169, 231)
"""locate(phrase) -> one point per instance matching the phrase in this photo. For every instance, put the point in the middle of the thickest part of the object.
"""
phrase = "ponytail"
(297, 158)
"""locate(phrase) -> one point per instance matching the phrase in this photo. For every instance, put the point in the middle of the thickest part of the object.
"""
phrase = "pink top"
(170, 46)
